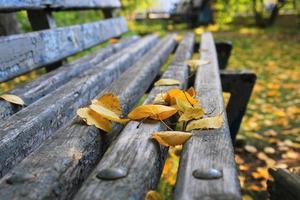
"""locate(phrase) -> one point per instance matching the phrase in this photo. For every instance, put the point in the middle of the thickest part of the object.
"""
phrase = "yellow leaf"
(191, 91)
(107, 114)
(13, 99)
(156, 112)
(171, 138)
(109, 107)
(160, 99)
(166, 82)
(194, 64)
(153, 195)
(110, 102)
(250, 149)
(92, 118)
(174, 94)
(189, 112)
(114, 40)
(178, 38)
(206, 123)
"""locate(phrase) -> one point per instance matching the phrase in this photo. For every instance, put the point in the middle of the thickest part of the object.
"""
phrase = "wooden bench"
(48, 153)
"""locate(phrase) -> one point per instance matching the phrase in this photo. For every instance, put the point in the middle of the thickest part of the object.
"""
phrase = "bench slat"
(66, 159)
(7, 5)
(32, 125)
(38, 88)
(25, 52)
(211, 148)
(134, 150)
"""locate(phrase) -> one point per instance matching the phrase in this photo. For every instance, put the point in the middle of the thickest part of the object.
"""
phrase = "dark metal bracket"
(240, 85)
(224, 51)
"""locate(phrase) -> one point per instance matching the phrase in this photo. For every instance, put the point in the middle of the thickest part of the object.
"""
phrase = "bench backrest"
(48, 45)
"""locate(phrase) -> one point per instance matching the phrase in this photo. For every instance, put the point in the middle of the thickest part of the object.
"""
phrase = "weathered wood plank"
(285, 185)
(65, 160)
(41, 20)
(133, 150)
(49, 82)
(8, 5)
(32, 125)
(45, 47)
(211, 148)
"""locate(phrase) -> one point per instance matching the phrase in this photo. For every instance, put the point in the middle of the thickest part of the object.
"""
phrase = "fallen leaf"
(191, 91)
(291, 155)
(153, 195)
(250, 149)
(206, 123)
(269, 150)
(281, 165)
(156, 112)
(262, 156)
(247, 197)
(160, 99)
(107, 114)
(254, 187)
(261, 172)
(178, 38)
(110, 102)
(194, 64)
(166, 82)
(13, 99)
(92, 118)
(109, 107)
(114, 40)
(171, 138)
(189, 112)
(174, 94)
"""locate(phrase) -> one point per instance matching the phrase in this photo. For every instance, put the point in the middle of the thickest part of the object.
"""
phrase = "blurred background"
(266, 38)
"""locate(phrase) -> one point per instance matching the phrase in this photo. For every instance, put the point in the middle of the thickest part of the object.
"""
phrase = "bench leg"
(240, 85)
(224, 51)
(41, 20)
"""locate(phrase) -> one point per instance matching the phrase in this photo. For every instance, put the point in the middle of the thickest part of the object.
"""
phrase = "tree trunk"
(9, 24)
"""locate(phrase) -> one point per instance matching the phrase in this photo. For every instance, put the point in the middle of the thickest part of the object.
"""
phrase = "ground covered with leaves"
(269, 136)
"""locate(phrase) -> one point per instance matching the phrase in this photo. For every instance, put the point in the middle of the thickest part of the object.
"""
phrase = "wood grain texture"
(210, 148)
(285, 185)
(45, 47)
(133, 150)
(8, 5)
(49, 82)
(23, 132)
(66, 159)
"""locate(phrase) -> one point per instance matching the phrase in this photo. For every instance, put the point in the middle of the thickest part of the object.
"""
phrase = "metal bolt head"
(20, 178)
(207, 174)
(112, 173)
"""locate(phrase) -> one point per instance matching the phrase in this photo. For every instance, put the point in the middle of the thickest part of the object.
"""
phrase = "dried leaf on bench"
(109, 107)
(13, 99)
(167, 82)
(171, 138)
(178, 38)
(156, 112)
(92, 118)
(114, 40)
(153, 195)
(191, 91)
(160, 99)
(189, 112)
(206, 123)
(194, 64)
(174, 94)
